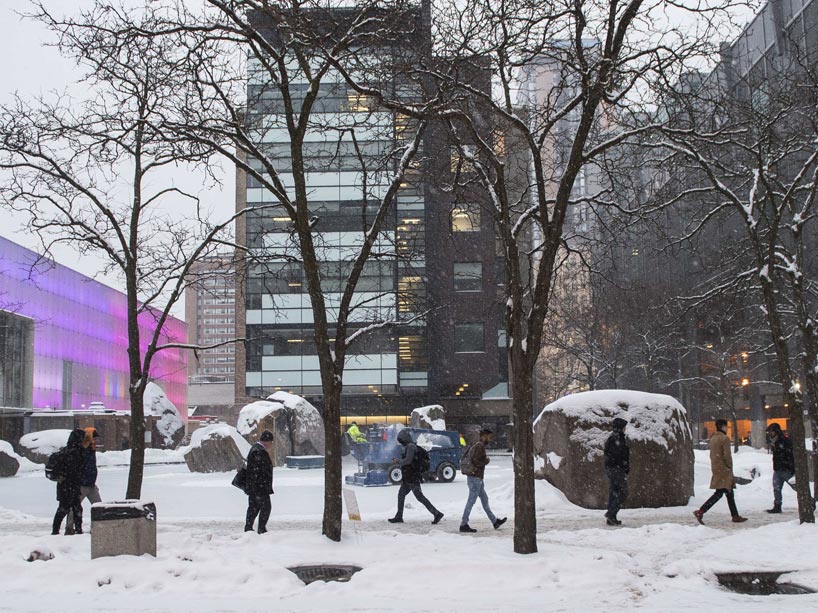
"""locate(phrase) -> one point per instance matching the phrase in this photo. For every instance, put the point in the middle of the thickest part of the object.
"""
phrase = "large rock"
(37, 446)
(432, 417)
(296, 424)
(9, 465)
(169, 426)
(570, 434)
(216, 449)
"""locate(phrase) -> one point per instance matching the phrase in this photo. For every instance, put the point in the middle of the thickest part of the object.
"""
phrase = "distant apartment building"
(210, 311)
(437, 270)
(64, 339)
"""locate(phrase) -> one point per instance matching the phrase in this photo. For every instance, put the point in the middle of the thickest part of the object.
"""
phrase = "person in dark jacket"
(474, 480)
(783, 463)
(259, 483)
(617, 467)
(412, 475)
(88, 474)
(68, 488)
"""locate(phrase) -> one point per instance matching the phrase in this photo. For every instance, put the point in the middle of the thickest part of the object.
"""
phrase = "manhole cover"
(324, 572)
(760, 583)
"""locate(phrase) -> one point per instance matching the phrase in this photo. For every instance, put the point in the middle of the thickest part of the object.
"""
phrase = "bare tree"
(94, 172)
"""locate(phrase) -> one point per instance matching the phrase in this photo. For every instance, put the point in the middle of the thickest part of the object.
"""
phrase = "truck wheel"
(446, 472)
(395, 475)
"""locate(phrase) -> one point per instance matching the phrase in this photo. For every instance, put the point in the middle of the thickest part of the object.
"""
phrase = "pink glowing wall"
(82, 323)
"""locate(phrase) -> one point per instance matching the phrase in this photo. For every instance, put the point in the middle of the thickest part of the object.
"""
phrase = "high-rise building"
(435, 267)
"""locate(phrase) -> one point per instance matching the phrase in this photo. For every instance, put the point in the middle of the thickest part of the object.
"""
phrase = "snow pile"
(26, 465)
(39, 445)
(651, 417)
(218, 431)
(432, 417)
(170, 424)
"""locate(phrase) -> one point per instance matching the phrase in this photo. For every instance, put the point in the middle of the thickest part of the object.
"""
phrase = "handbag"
(240, 480)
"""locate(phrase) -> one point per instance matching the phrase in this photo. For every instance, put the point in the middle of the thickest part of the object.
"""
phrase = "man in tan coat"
(721, 466)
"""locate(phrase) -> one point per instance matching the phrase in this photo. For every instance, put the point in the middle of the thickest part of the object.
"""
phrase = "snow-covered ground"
(659, 560)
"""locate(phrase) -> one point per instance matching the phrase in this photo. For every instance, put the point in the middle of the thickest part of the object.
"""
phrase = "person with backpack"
(617, 467)
(88, 478)
(414, 463)
(783, 463)
(259, 483)
(721, 467)
(473, 465)
(66, 468)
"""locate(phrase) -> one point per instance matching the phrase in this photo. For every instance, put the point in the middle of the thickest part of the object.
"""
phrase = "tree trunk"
(525, 517)
(333, 507)
(137, 431)
(806, 510)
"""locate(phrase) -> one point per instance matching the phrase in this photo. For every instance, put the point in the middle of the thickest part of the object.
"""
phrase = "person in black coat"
(783, 463)
(68, 488)
(411, 477)
(259, 483)
(617, 467)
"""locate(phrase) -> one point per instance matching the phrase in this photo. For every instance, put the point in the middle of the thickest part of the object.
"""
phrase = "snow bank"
(170, 424)
(651, 417)
(45, 442)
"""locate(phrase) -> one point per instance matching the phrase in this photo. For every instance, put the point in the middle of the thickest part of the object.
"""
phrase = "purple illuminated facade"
(80, 335)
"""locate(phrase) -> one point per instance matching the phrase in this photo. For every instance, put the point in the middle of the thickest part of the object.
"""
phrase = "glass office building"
(79, 341)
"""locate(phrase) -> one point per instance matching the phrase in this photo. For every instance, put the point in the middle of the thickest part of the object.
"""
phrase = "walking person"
(473, 465)
(412, 469)
(783, 463)
(68, 487)
(617, 467)
(88, 474)
(259, 483)
(721, 467)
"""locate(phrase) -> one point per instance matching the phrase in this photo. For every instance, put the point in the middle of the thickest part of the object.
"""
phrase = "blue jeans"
(779, 476)
(477, 489)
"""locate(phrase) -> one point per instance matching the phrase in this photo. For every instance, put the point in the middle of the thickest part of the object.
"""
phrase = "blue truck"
(375, 457)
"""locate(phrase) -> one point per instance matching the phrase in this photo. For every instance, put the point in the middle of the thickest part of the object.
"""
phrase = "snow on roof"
(651, 417)
(45, 442)
(219, 431)
(424, 412)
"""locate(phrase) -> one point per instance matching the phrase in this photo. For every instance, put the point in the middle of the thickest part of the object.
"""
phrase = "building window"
(466, 219)
(468, 338)
(468, 276)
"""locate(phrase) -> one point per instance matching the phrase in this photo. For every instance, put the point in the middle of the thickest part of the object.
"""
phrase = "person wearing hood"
(721, 468)
(88, 477)
(617, 467)
(783, 463)
(412, 475)
(68, 488)
(259, 483)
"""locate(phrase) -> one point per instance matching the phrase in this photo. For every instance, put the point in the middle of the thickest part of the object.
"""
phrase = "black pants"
(617, 491)
(75, 508)
(405, 488)
(731, 501)
(258, 505)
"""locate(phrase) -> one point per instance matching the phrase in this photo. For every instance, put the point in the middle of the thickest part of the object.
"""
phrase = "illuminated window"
(466, 219)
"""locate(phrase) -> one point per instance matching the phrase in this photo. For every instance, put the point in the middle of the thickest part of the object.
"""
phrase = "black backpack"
(55, 468)
(421, 460)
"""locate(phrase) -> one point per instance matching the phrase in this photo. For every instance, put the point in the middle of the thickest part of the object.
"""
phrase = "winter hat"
(619, 423)
(266, 436)
(774, 427)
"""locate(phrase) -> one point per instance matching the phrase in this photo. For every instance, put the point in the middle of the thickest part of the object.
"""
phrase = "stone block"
(121, 528)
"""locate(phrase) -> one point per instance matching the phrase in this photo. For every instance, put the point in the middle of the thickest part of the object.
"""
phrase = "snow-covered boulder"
(37, 446)
(432, 417)
(9, 464)
(296, 424)
(169, 425)
(570, 435)
(216, 448)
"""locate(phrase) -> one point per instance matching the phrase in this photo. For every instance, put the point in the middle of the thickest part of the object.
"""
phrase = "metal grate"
(760, 583)
(324, 572)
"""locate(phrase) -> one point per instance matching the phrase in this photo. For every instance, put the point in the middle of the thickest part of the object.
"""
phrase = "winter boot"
(776, 509)
(612, 521)
(395, 520)
(699, 514)
(737, 519)
(437, 517)
(499, 522)
(467, 528)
